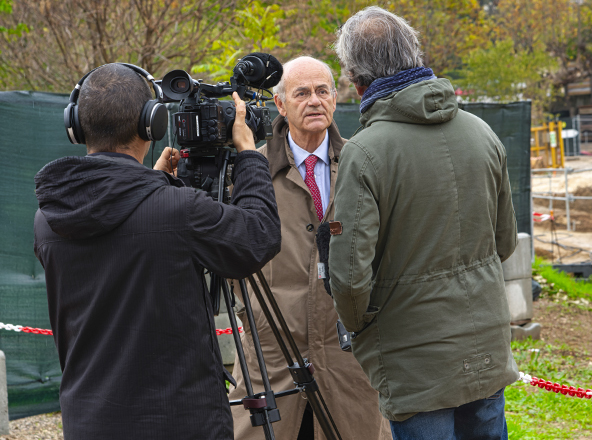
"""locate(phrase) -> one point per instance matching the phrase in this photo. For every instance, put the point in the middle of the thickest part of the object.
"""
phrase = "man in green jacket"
(424, 202)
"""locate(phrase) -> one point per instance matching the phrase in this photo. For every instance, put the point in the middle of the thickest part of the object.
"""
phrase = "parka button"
(310, 227)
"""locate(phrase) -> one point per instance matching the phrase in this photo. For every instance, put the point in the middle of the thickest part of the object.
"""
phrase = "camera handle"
(262, 406)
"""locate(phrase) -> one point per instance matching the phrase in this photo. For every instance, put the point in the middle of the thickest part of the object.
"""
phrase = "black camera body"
(207, 125)
(203, 124)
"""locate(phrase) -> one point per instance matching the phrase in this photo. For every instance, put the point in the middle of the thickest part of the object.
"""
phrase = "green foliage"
(19, 29)
(561, 285)
(255, 30)
(5, 6)
(533, 413)
(16, 31)
(328, 16)
(448, 29)
(507, 73)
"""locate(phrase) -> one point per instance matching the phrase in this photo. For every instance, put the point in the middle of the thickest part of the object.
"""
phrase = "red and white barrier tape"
(227, 331)
(555, 387)
(20, 328)
(41, 331)
(526, 378)
(538, 217)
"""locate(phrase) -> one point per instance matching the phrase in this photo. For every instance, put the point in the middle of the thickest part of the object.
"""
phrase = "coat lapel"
(280, 156)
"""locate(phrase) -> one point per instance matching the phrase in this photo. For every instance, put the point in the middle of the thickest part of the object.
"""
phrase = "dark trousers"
(483, 419)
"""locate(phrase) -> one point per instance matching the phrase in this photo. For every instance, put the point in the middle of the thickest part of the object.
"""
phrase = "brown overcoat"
(309, 313)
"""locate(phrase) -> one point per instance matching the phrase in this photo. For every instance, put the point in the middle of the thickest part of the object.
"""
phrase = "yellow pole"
(560, 143)
(553, 144)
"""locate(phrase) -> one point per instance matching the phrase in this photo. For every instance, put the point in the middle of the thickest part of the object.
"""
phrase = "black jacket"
(123, 248)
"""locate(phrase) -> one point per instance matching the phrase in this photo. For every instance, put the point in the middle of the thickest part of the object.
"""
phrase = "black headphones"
(154, 118)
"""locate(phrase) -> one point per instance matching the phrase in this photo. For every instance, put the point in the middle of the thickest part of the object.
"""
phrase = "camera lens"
(179, 85)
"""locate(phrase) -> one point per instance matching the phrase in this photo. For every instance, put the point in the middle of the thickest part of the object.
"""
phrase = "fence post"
(567, 201)
(550, 192)
(3, 396)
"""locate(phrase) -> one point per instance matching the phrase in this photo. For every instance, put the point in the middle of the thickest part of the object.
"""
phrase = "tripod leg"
(315, 399)
(278, 313)
(237, 341)
(301, 373)
(267, 428)
(258, 351)
(271, 321)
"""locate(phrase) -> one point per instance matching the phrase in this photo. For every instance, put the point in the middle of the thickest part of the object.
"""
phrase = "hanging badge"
(322, 271)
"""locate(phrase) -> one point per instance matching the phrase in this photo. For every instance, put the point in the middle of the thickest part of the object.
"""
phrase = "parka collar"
(278, 151)
(428, 102)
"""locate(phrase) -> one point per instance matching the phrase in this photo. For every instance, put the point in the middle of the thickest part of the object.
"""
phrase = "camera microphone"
(260, 69)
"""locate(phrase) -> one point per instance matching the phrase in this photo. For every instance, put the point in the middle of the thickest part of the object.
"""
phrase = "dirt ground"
(564, 324)
(575, 245)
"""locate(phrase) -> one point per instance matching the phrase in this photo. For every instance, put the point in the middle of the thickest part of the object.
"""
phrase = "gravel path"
(42, 427)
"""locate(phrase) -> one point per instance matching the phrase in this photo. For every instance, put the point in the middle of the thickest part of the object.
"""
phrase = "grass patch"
(555, 283)
(533, 413)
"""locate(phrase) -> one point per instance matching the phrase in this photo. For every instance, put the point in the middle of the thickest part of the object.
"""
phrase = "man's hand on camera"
(242, 136)
(164, 161)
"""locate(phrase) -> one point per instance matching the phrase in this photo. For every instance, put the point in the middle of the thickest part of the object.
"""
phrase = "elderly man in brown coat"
(303, 156)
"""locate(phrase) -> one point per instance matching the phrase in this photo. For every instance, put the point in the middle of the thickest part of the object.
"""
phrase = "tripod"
(262, 406)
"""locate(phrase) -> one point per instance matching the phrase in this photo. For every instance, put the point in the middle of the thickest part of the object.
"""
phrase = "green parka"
(424, 199)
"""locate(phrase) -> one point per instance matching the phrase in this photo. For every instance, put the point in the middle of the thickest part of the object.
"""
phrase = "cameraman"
(124, 248)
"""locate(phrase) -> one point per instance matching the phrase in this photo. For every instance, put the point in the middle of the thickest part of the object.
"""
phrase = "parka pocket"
(477, 363)
(368, 318)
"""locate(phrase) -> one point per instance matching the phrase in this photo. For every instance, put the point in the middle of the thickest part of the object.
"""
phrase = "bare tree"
(67, 38)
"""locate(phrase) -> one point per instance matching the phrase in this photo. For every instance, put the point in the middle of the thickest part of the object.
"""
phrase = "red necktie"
(310, 163)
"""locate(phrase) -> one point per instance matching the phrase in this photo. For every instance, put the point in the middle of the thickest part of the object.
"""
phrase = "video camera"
(203, 124)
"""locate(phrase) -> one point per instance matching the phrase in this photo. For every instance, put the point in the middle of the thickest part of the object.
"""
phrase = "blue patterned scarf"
(382, 87)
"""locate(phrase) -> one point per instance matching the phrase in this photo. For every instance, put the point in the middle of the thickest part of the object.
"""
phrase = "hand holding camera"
(241, 133)
(168, 161)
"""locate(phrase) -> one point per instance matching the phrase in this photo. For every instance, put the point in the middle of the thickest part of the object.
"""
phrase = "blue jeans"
(480, 420)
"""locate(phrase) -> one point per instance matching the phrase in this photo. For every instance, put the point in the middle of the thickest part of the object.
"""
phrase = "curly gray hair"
(375, 43)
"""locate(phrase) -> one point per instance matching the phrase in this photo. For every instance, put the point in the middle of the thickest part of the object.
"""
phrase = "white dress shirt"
(322, 169)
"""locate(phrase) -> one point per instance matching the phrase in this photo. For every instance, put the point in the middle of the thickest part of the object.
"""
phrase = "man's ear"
(360, 89)
(280, 105)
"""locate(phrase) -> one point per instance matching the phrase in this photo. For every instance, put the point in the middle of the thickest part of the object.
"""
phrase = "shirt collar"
(300, 154)
(113, 154)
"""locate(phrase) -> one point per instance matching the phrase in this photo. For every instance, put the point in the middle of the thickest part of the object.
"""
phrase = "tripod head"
(208, 173)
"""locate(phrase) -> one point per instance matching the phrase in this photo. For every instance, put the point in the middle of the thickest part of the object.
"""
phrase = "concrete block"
(519, 294)
(519, 264)
(3, 396)
(532, 329)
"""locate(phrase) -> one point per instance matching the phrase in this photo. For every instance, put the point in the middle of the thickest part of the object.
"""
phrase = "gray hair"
(376, 43)
(280, 89)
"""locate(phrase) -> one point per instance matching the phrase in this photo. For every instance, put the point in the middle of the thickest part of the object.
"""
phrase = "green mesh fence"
(511, 123)
(32, 134)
